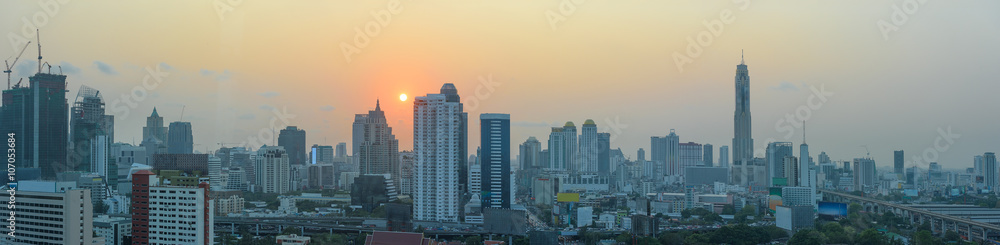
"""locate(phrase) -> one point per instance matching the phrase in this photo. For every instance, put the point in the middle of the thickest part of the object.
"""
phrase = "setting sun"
(402, 97)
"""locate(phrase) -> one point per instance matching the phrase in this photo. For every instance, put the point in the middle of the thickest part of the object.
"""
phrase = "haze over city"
(230, 67)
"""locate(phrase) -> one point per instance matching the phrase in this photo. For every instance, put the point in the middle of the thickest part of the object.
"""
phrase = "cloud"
(266, 107)
(206, 72)
(269, 94)
(166, 67)
(224, 76)
(247, 117)
(24, 68)
(785, 86)
(69, 68)
(326, 108)
(105, 68)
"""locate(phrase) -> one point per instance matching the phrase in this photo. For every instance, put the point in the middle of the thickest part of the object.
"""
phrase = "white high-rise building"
(165, 214)
(112, 229)
(557, 149)
(272, 171)
(215, 172)
(588, 148)
(49, 212)
(743, 168)
(438, 126)
(475, 178)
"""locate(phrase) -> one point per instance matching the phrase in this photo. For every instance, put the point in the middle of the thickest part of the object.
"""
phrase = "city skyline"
(696, 101)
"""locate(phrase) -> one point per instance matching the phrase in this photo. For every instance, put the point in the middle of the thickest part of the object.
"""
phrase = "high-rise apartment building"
(272, 170)
(775, 157)
(708, 157)
(377, 148)
(864, 173)
(49, 212)
(180, 139)
(724, 156)
(588, 148)
(674, 165)
(439, 146)
(167, 214)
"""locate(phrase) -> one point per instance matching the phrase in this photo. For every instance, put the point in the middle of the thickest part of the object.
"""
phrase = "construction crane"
(867, 152)
(11, 64)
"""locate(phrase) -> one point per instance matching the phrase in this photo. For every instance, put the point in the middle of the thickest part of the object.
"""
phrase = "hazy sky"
(231, 64)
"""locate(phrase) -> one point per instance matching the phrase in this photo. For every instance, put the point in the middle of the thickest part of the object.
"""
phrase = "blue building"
(495, 160)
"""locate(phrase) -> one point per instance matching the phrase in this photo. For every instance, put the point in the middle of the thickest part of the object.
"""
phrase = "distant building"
(775, 157)
(743, 170)
(341, 150)
(372, 190)
(990, 166)
(674, 165)
(724, 156)
(495, 160)
(377, 148)
(864, 173)
(707, 158)
(692, 155)
(898, 158)
(38, 116)
(792, 218)
(588, 148)
(293, 140)
(321, 154)
(272, 170)
(228, 205)
(180, 139)
(292, 239)
(92, 133)
(406, 178)
(155, 130)
(399, 217)
(190, 163)
(705, 175)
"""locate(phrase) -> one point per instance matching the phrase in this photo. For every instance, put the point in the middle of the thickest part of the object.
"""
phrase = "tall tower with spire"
(743, 168)
(804, 162)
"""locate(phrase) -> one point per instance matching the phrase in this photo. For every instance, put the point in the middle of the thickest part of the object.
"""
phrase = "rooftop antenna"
(182, 113)
(803, 132)
(742, 60)
(38, 36)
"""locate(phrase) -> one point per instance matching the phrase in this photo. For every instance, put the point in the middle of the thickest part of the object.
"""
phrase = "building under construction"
(37, 115)
(92, 133)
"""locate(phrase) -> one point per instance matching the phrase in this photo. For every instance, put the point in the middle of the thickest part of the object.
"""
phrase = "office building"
(990, 168)
(321, 154)
(571, 151)
(977, 164)
(41, 112)
(341, 150)
(377, 148)
(691, 155)
(180, 139)
(529, 154)
(708, 158)
(406, 178)
(293, 140)
(372, 190)
(898, 158)
(791, 165)
(272, 170)
(674, 166)
(775, 157)
(166, 214)
(557, 149)
(864, 173)
(439, 143)
(658, 155)
(190, 163)
(604, 163)
(742, 134)
(705, 175)
(495, 160)
(724, 156)
(215, 173)
(49, 212)
(154, 129)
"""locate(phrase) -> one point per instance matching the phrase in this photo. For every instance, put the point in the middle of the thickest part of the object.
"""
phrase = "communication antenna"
(182, 113)
(38, 36)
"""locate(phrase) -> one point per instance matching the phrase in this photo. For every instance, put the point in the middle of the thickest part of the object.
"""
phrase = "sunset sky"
(230, 64)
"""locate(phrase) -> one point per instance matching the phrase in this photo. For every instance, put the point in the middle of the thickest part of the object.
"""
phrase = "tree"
(728, 209)
(925, 238)
(624, 238)
(871, 236)
(808, 237)
(712, 218)
(854, 208)
(474, 240)
(685, 214)
(100, 208)
(952, 236)
(696, 239)
(291, 230)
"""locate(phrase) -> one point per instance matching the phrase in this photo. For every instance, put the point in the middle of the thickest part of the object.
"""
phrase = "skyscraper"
(658, 154)
(294, 141)
(571, 148)
(775, 157)
(674, 165)
(791, 170)
(604, 164)
(990, 170)
(742, 138)
(154, 128)
(341, 150)
(557, 149)
(691, 155)
(898, 158)
(272, 171)
(495, 160)
(180, 139)
(92, 134)
(529, 154)
(378, 148)
(319, 154)
(724, 156)
(439, 139)
(588, 148)
(37, 115)
(707, 158)
(864, 173)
